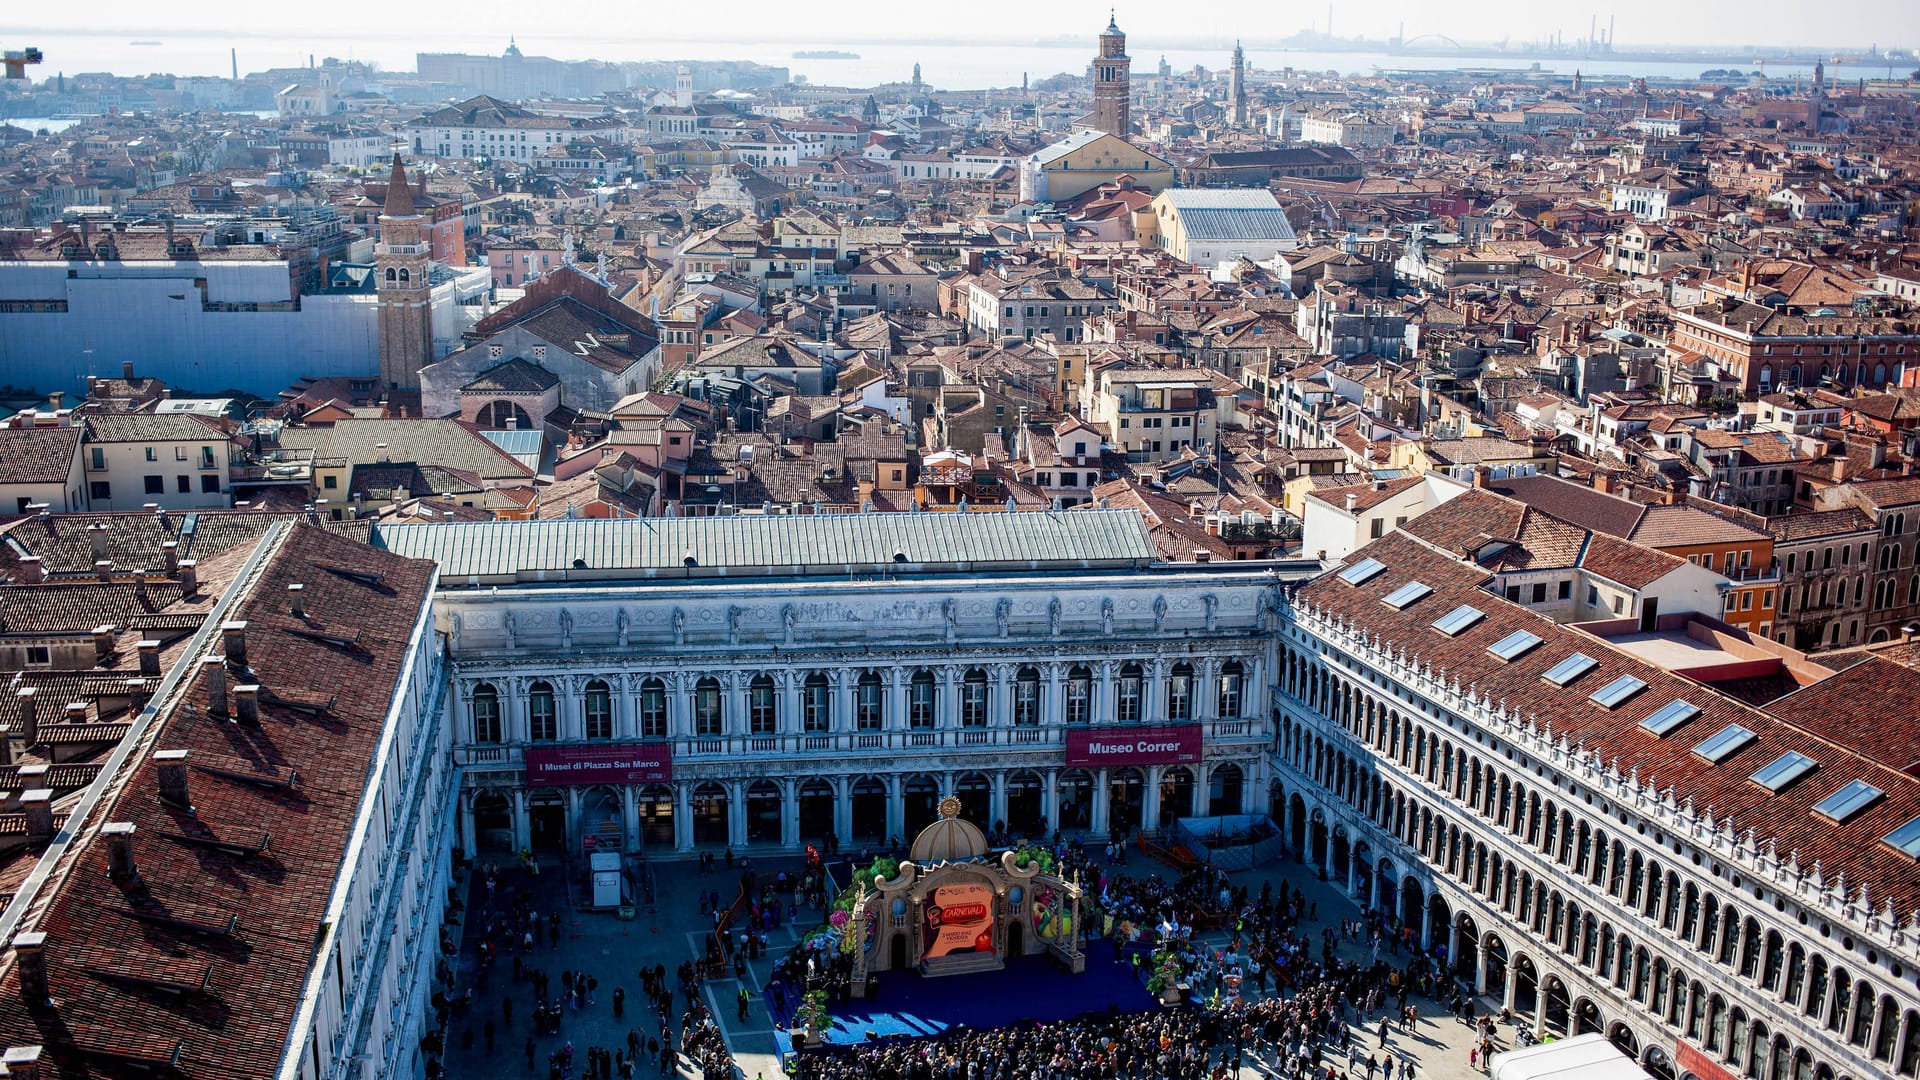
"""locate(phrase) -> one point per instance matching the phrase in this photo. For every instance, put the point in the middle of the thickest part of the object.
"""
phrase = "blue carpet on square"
(1028, 988)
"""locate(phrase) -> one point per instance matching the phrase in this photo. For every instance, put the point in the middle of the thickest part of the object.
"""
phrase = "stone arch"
(710, 814)
(654, 804)
(502, 415)
(867, 801)
(1586, 1017)
(765, 808)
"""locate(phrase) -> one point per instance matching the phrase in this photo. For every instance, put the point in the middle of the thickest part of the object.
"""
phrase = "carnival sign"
(959, 919)
(604, 763)
(1169, 745)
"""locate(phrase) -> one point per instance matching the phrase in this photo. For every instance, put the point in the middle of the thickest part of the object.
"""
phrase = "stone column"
(997, 801)
(1098, 821)
(1153, 690)
(468, 837)
(629, 819)
(1053, 702)
(513, 703)
(896, 718)
(1206, 688)
(572, 704)
(1104, 709)
(680, 686)
(1000, 696)
(896, 807)
(733, 703)
(789, 683)
(682, 816)
(574, 830)
(842, 809)
(736, 815)
(522, 827)
(1050, 797)
(626, 705)
(1150, 813)
(1426, 919)
(946, 701)
(842, 684)
(789, 814)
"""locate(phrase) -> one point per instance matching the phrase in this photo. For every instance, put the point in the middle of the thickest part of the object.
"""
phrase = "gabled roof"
(38, 455)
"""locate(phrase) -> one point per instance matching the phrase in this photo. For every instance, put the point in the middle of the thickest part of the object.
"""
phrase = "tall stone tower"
(1237, 89)
(1112, 86)
(1817, 99)
(401, 264)
(683, 87)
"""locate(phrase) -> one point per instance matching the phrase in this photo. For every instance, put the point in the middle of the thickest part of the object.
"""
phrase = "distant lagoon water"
(952, 66)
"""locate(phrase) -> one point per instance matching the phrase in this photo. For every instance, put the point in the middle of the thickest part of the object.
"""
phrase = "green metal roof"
(796, 544)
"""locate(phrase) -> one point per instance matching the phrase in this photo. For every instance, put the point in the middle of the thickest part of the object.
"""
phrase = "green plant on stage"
(1166, 969)
(1035, 855)
(812, 1013)
(883, 869)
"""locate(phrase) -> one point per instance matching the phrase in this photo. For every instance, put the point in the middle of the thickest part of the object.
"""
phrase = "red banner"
(1171, 745)
(1691, 1059)
(959, 919)
(604, 763)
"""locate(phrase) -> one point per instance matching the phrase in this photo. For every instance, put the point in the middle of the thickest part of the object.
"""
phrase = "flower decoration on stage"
(839, 919)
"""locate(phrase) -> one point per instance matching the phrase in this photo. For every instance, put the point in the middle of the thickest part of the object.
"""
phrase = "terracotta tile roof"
(38, 455)
(119, 955)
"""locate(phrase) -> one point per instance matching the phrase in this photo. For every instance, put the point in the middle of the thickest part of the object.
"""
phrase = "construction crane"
(17, 60)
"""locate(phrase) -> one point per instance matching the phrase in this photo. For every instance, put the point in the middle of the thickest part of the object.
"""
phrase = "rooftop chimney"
(189, 572)
(150, 507)
(22, 1062)
(56, 399)
(119, 836)
(1353, 502)
(76, 712)
(233, 636)
(138, 693)
(297, 600)
(246, 702)
(173, 778)
(38, 805)
(126, 370)
(32, 570)
(97, 539)
(149, 657)
(103, 569)
(380, 453)
(103, 641)
(27, 698)
(29, 952)
(171, 551)
(215, 667)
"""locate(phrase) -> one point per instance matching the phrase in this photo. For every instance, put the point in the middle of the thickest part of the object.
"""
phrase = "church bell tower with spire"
(1112, 83)
(401, 265)
(1237, 89)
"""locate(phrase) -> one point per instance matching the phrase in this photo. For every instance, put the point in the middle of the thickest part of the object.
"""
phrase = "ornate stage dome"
(948, 839)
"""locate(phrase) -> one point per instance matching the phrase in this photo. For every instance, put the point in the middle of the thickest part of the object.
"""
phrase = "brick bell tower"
(401, 265)
(1112, 83)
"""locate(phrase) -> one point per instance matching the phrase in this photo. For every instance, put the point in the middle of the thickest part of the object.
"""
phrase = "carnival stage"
(1028, 988)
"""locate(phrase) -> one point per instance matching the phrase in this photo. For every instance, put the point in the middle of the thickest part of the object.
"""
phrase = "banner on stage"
(959, 919)
(605, 763)
(1174, 744)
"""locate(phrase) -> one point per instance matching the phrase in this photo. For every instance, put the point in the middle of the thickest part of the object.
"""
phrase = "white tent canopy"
(1582, 1057)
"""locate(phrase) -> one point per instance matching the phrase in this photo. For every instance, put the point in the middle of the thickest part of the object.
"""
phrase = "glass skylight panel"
(1453, 622)
(1722, 744)
(1569, 669)
(1362, 572)
(1406, 594)
(1906, 838)
(1514, 645)
(1848, 801)
(1618, 691)
(1670, 716)
(1785, 769)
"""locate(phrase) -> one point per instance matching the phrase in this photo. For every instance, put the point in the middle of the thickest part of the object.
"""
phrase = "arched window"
(597, 707)
(869, 712)
(763, 710)
(405, 276)
(392, 276)
(653, 709)
(816, 703)
(920, 700)
(1128, 703)
(1026, 698)
(543, 722)
(707, 717)
(1180, 692)
(973, 699)
(486, 714)
(1079, 695)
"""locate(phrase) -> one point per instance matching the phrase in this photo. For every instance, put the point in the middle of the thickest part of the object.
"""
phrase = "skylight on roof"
(1670, 716)
(1722, 744)
(1848, 801)
(1569, 669)
(1514, 645)
(1618, 691)
(1453, 622)
(1405, 595)
(1906, 838)
(1784, 770)
(1362, 572)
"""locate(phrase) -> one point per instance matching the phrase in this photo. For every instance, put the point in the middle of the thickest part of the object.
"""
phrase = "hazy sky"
(1853, 23)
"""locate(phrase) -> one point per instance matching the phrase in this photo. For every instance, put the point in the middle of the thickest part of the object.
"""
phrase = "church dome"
(948, 839)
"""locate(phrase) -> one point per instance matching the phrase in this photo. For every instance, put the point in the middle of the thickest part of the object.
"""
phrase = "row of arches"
(922, 703)
(1717, 932)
